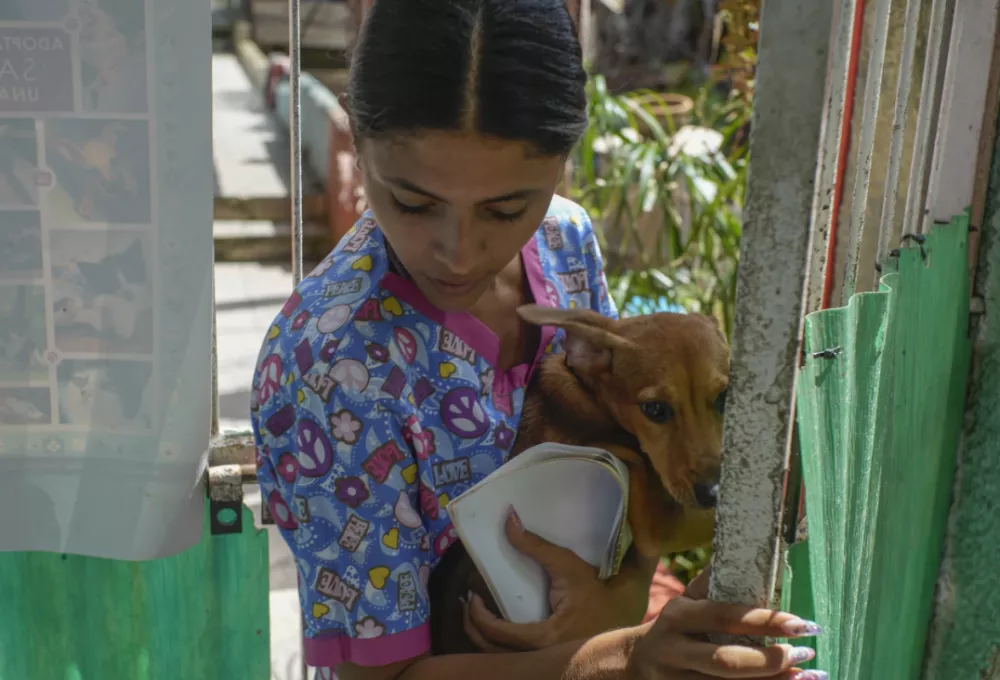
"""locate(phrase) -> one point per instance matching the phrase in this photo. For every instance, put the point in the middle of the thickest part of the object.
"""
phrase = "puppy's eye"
(720, 402)
(657, 411)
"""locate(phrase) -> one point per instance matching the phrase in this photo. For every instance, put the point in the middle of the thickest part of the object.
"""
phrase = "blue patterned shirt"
(371, 409)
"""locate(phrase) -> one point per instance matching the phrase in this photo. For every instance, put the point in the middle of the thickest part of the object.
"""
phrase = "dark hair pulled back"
(510, 69)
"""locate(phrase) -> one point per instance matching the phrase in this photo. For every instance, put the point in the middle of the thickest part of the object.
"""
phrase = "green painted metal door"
(200, 615)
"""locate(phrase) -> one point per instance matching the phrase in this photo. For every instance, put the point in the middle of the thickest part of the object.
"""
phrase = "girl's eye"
(408, 209)
(507, 216)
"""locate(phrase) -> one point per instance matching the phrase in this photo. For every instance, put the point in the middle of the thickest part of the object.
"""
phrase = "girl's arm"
(672, 647)
(604, 657)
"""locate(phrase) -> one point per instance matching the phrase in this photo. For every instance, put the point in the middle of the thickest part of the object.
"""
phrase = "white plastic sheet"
(105, 275)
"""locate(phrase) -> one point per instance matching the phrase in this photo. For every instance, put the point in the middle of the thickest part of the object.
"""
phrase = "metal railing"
(232, 456)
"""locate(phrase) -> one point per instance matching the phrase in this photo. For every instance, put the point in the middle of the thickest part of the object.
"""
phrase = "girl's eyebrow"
(412, 188)
(406, 185)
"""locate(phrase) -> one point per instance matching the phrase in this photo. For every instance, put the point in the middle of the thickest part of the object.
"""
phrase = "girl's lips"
(453, 288)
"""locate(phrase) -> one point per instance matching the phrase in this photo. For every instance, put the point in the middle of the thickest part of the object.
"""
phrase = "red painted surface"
(845, 142)
(345, 179)
(665, 587)
(280, 66)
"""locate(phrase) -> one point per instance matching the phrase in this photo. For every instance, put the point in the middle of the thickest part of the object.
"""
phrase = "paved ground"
(251, 154)
(247, 140)
(248, 297)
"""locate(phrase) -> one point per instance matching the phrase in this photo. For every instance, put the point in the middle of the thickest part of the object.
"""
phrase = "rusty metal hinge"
(231, 464)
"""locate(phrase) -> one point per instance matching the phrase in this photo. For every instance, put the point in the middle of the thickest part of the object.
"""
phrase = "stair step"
(267, 241)
(270, 208)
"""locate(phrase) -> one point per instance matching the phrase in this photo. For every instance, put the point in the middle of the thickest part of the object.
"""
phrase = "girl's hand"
(674, 646)
(697, 589)
(582, 606)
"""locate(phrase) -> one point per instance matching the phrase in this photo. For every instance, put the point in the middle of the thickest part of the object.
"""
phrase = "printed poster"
(105, 275)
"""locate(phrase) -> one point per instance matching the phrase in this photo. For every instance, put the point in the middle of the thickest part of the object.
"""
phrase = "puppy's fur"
(650, 389)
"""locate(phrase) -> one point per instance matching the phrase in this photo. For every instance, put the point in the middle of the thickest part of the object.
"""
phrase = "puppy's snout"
(706, 494)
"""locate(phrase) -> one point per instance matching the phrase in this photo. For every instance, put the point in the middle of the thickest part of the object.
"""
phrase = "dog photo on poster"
(102, 199)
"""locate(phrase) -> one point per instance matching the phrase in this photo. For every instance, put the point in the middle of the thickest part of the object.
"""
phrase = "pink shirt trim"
(473, 331)
(539, 291)
(330, 652)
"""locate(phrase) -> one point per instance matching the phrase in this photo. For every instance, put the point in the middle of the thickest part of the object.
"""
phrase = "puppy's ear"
(590, 337)
(713, 321)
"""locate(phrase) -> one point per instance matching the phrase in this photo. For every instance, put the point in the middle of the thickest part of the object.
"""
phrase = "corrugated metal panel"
(880, 402)
(797, 592)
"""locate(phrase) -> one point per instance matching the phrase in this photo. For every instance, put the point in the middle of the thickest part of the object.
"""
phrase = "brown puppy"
(651, 389)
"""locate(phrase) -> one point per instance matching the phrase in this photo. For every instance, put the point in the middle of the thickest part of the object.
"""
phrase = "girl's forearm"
(604, 657)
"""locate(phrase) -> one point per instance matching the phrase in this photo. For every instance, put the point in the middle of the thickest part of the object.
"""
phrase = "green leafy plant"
(686, 565)
(738, 47)
(667, 198)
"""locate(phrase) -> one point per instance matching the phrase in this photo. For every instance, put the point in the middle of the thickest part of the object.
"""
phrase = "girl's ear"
(345, 107)
(343, 101)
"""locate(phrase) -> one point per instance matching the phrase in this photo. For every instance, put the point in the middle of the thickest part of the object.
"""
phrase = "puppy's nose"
(706, 494)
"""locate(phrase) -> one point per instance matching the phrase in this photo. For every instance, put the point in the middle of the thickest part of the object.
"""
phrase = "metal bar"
(215, 359)
(887, 228)
(875, 119)
(847, 174)
(585, 28)
(825, 193)
(787, 118)
(963, 105)
(930, 107)
(295, 128)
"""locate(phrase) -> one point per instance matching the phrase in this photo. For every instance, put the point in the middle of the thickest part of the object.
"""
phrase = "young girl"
(393, 378)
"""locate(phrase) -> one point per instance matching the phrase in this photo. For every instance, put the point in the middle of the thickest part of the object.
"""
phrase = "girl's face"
(456, 207)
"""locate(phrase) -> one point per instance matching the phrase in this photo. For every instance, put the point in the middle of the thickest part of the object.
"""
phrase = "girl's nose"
(457, 249)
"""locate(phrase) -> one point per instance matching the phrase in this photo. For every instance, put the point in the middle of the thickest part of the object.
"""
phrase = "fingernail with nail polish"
(801, 627)
(811, 675)
(801, 655)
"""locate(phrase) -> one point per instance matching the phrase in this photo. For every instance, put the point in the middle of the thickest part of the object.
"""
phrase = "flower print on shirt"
(351, 491)
(345, 426)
